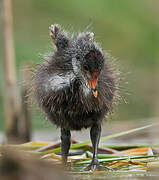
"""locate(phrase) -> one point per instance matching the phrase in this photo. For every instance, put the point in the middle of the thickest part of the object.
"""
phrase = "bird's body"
(69, 103)
(75, 86)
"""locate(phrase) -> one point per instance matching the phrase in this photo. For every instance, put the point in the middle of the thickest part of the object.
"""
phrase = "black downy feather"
(61, 86)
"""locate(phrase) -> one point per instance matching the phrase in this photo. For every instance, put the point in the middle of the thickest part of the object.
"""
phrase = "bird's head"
(87, 57)
(89, 60)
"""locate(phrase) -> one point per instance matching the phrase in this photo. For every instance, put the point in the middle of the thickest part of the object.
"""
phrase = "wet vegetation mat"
(125, 161)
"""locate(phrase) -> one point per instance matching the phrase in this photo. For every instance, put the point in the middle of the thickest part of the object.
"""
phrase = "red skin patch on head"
(94, 79)
(93, 83)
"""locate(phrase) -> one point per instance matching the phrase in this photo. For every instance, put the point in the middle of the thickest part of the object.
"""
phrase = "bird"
(75, 87)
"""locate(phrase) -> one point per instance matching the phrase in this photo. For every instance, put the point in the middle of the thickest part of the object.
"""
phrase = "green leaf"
(83, 144)
(116, 159)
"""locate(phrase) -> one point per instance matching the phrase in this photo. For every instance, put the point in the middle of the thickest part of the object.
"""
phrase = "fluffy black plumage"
(61, 83)
(75, 88)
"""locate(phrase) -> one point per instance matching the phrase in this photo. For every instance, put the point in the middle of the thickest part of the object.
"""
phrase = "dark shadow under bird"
(75, 87)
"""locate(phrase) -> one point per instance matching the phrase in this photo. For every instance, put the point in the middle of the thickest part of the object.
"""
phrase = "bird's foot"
(96, 166)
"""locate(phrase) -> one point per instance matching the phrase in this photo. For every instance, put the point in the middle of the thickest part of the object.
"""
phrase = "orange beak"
(93, 83)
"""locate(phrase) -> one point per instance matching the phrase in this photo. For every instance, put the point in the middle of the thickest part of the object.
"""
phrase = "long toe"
(93, 167)
(90, 167)
(104, 168)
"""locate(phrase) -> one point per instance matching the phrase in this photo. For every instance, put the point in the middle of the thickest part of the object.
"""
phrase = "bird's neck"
(76, 66)
(80, 82)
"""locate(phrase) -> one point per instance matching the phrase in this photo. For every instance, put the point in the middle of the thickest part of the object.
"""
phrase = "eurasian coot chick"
(75, 87)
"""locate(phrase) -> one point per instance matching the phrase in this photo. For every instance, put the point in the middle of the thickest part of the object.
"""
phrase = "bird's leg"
(65, 144)
(95, 136)
(95, 133)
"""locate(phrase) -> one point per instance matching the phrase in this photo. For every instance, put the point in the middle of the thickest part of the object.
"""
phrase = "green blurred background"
(128, 29)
